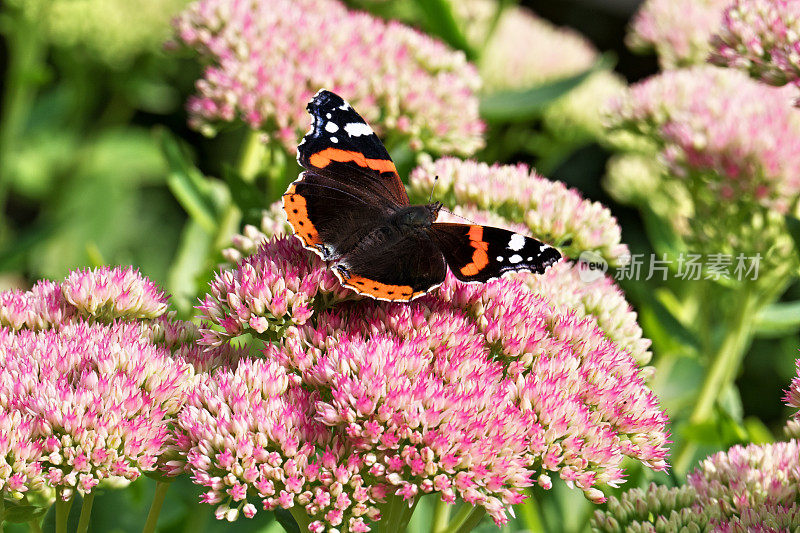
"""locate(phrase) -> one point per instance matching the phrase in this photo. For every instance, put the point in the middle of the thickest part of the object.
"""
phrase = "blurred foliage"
(98, 167)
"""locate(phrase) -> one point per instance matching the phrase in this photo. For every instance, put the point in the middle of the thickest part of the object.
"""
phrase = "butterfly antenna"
(460, 216)
(435, 180)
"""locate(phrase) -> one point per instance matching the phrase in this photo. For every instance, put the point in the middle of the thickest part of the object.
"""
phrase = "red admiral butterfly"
(350, 208)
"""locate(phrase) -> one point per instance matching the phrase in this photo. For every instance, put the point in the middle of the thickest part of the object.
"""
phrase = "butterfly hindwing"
(396, 270)
(480, 253)
(330, 218)
(343, 147)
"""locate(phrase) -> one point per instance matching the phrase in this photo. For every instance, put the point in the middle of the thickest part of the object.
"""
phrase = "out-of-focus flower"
(761, 38)
(411, 392)
(111, 293)
(551, 211)
(273, 222)
(739, 140)
(504, 62)
(98, 397)
(577, 117)
(752, 488)
(267, 58)
(114, 31)
(678, 30)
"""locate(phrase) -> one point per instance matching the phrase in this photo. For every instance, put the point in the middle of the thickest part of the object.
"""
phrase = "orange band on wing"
(323, 158)
(297, 213)
(479, 257)
(380, 290)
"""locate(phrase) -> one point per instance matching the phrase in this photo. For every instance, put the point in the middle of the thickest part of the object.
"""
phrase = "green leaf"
(286, 520)
(526, 104)
(20, 513)
(793, 225)
(187, 183)
(440, 21)
(245, 195)
(778, 319)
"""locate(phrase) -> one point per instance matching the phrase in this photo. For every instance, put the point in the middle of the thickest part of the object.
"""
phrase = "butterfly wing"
(480, 253)
(331, 217)
(341, 146)
(395, 271)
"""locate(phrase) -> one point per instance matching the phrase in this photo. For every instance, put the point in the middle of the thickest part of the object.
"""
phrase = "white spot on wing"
(344, 107)
(356, 129)
(514, 259)
(516, 242)
(499, 258)
(334, 140)
(331, 127)
(328, 115)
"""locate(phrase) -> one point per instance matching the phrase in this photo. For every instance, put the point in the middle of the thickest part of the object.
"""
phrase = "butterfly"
(350, 207)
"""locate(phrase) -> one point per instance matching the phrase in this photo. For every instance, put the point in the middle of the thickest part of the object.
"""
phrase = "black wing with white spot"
(342, 146)
(480, 253)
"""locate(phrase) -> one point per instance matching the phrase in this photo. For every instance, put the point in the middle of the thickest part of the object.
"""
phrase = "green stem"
(467, 518)
(34, 526)
(250, 162)
(62, 511)
(398, 513)
(155, 508)
(724, 368)
(86, 513)
(2, 509)
(531, 514)
(441, 516)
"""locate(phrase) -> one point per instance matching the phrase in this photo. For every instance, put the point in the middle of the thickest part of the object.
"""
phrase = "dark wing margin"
(400, 271)
(477, 253)
(342, 146)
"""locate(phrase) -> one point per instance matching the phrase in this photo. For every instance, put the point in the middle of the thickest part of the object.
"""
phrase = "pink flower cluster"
(267, 58)
(678, 30)
(746, 489)
(550, 210)
(738, 138)
(89, 402)
(761, 38)
(474, 392)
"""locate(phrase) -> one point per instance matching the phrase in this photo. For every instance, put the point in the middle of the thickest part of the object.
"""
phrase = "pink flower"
(110, 293)
(267, 58)
(551, 211)
(760, 37)
(678, 30)
(721, 130)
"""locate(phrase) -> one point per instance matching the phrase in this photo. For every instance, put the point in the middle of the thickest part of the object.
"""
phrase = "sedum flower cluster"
(92, 370)
(267, 58)
(747, 488)
(678, 30)
(473, 392)
(760, 38)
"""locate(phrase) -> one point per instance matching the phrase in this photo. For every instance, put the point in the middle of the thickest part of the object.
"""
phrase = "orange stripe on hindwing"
(380, 290)
(479, 257)
(323, 158)
(297, 213)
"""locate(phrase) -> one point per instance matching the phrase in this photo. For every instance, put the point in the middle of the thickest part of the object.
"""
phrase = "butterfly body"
(350, 208)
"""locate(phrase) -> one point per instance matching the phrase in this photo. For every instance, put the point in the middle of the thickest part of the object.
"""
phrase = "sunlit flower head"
(98, 398)
(412, 392)
(110, 293)
(760, 37)
(267, 58)
(740, 139)
(678, 30)
(113, 31)
(552, 212)
(750, 488)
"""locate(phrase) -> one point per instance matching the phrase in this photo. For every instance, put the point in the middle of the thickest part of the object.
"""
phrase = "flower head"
(760, 37)
(108, 293)
(96, 396)
(550, 210)
(471, 392)
(267, 58)
(678, 30)
(752, 488)
(560, 52)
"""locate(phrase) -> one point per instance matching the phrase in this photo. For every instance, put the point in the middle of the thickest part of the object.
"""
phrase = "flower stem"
(397, 514)
(301, 517)
(86, 513)
(467, 518)
(441, 516)
(34, 526)
(62, 511)
(531, 514)
(2, 508)
(155, 507)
